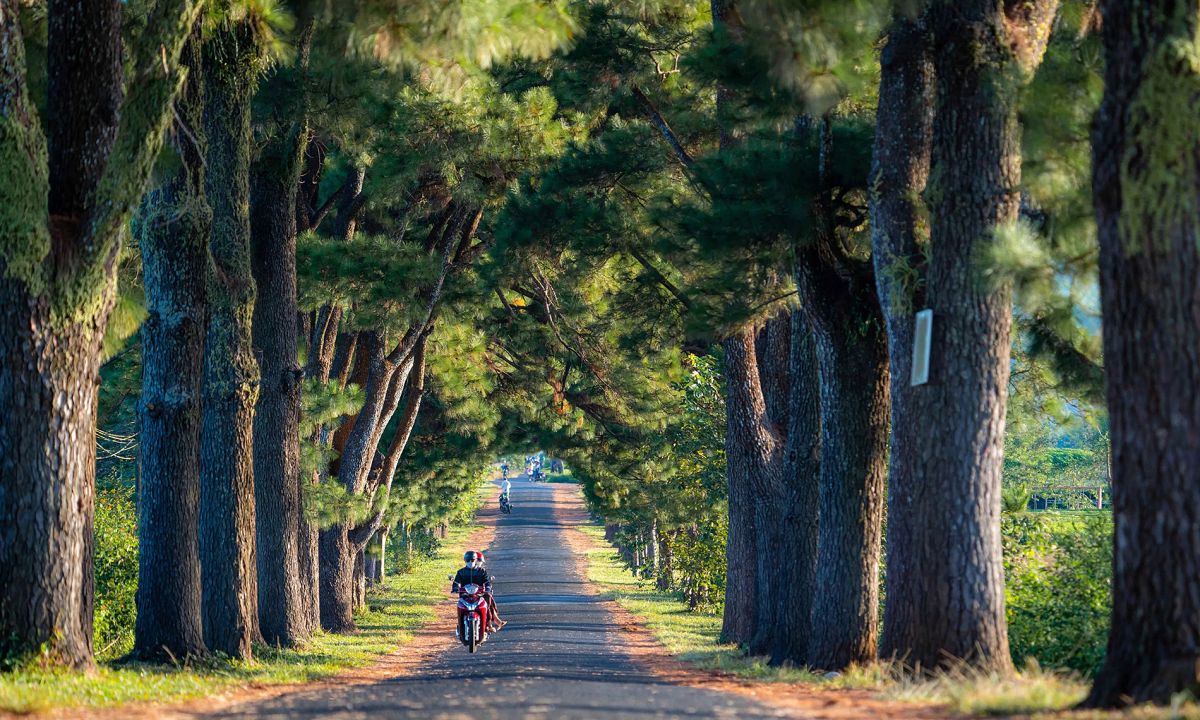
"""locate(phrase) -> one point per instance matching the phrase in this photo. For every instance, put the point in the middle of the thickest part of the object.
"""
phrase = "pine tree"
(1144, 149)
(946, 588)
(70, 191)
(233, 56)
(175, 227)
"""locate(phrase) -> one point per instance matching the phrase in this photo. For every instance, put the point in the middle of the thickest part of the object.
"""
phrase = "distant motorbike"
(505, 505)
(472, 616)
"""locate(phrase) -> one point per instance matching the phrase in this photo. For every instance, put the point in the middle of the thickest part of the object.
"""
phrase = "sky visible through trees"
(283, 279)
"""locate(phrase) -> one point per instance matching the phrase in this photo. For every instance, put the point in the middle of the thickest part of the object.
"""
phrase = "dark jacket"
(466, 576)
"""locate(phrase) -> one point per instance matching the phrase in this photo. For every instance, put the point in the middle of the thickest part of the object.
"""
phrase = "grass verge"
(694, 637)
(404, 604)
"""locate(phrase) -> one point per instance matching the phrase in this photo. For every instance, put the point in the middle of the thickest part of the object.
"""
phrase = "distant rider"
(504, 488)
(473, 572)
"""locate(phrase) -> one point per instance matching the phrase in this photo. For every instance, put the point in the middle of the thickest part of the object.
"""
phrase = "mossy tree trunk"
(65, 203)
(231, 374)
(900, 169)
(174, 242)
(285, 618)
(946, 583)
(1146, 179)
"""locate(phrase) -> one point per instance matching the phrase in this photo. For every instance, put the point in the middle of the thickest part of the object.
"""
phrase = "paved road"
(559, 657)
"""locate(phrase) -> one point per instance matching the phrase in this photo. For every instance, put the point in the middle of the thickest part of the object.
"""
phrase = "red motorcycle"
(472, 616)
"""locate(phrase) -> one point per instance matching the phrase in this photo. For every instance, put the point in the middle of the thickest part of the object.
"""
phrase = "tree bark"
(837, 292)
(231, 375)
(174, 245)
(801, 468)
(1145, 182)
(752, 447)
(772, 349)
(284, 617)
(851, 355)
(66, 210)
(946, 587)
(900, 170)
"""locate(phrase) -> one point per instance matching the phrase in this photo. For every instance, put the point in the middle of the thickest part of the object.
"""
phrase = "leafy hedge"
(1058, 571)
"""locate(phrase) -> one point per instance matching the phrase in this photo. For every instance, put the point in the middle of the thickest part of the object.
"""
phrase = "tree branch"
(156, 81)
(661, 123)
(660, 277)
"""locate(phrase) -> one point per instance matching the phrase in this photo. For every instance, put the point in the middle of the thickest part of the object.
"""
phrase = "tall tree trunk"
(50, 373)
(360, 580)
(947, 584)
(66, 213)
(900, 169)
(666, 574)
(174, 245)
(231, 375)
(283, 615)
(752, 447)
(852, 359)
(801, 468)
(772, 350)
(838, 295)
(1146, 177)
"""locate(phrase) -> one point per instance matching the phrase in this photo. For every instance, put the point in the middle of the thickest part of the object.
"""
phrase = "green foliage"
(698, 563)
(116, 571)
(1058, 575)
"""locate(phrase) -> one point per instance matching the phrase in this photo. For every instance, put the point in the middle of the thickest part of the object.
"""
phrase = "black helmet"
(470, 556)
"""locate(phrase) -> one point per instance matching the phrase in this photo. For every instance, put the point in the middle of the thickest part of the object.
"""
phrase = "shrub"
(116, 568)
(1058, 577)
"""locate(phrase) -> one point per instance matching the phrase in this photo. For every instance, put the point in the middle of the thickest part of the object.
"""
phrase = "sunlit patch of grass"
(403, 604)
(973, 692)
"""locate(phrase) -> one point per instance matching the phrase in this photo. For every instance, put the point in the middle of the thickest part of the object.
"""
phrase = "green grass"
(402, 605)
(973, 693)
(562, 477)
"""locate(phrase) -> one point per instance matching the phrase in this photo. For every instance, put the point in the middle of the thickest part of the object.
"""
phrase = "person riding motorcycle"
(473, 572)
(504, 488)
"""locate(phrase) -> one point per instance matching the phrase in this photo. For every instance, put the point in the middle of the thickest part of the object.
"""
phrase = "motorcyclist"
(504, 488)
(504, 469)
(473, 572)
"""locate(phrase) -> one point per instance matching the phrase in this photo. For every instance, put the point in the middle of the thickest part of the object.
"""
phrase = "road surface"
(560, 656)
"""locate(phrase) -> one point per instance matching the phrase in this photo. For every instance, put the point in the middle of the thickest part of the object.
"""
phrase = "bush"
(406, 550)
(698, 559)
(1058, 575)
(116, 568)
